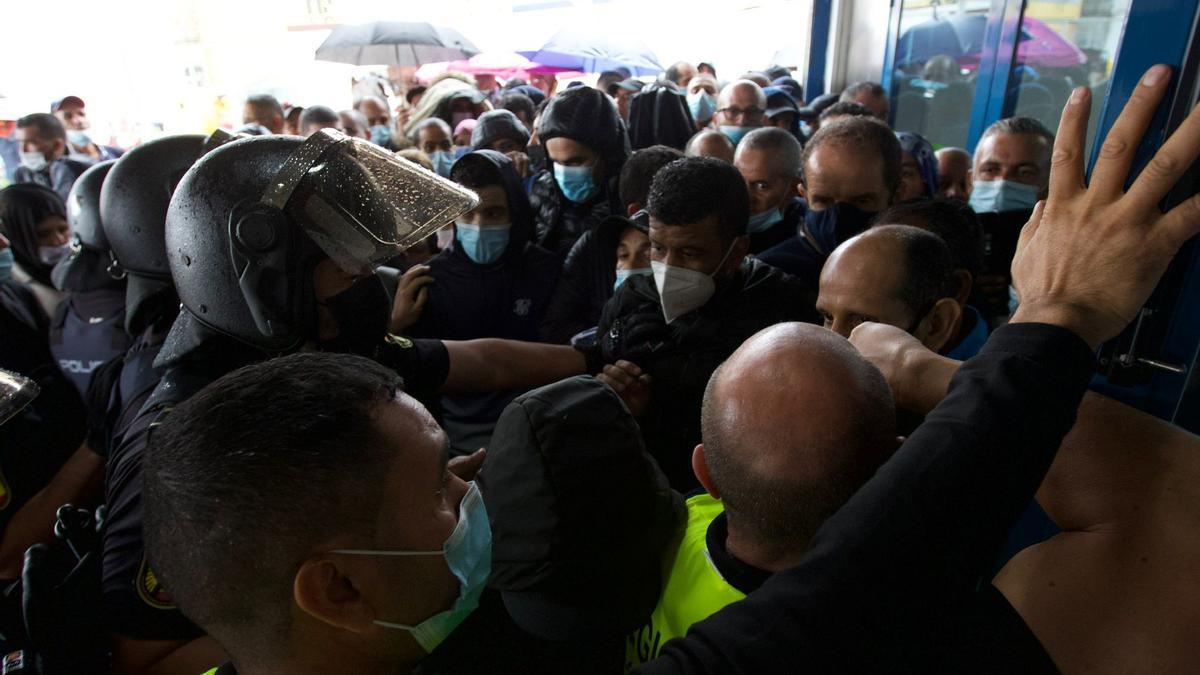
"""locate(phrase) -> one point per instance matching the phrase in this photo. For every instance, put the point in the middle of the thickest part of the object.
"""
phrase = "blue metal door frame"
(818, 49)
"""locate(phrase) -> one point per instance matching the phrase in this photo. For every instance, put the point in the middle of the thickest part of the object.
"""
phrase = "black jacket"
(506, 299)
(888, 580)
(561, 222)
(586, 284)
(695, 344)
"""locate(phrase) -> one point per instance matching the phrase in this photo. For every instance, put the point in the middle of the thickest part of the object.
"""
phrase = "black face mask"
(837, 223)
(362, 313)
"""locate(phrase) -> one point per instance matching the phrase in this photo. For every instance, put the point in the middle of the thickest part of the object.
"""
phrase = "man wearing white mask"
(44, 159)
(1012, 166)
(704, 298)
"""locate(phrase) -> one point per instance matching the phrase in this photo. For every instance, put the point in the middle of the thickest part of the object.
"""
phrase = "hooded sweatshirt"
(505, 299)
(589, 117)
(495, 125)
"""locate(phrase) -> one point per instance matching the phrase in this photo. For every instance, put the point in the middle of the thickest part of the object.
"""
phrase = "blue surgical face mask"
(702, 104)
(6, 264)
(577, 183)
(468, 553)
(988, 196)
(761, 222)
(735, 134)
(381, 135)
(837, 223)
(623, 275)
(442, 160)
(78, 138)
(483, 244)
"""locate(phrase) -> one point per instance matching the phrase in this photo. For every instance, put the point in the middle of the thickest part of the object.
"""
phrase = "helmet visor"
(16, 392)
(361, 204)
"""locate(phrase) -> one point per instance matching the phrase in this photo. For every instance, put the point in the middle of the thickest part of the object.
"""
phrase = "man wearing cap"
(43, 153)
(782, 111)
(70, 111)
(621, 92)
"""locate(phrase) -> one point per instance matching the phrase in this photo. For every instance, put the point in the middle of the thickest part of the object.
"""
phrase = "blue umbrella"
(395, 43)
(927, 40)
(577, 49)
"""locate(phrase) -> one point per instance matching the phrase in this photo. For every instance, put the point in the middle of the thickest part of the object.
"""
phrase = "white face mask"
(683, 290)
(34, 161)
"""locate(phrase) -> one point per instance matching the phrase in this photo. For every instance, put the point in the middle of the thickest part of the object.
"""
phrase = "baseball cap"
(629, 84)
(581, 515)
(74, 101)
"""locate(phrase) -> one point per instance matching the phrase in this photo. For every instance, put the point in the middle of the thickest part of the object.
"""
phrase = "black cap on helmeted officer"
(255, 226)
(87, 266)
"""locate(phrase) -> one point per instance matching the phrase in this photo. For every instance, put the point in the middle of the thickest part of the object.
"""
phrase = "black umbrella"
(394, 43)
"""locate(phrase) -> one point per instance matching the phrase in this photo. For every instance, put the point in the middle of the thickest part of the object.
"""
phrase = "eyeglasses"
(747, 113)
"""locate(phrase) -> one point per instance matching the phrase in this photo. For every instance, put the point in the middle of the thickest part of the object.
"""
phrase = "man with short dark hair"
(851, 172)
(871, 95)
(264, 109)
(317, 117)
(43, 152)
(71, 111)
(379, 120)
(1012, 166)
(957, 225)
(518, 104)
(769, 160)
(741, 107)
(702, 301)
(895, 274)
(843, 109)
(771, 476)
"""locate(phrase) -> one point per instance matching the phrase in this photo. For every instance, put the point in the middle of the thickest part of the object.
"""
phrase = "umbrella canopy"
(394, 43)
(501, 64)
(579, 49)
(961, 37)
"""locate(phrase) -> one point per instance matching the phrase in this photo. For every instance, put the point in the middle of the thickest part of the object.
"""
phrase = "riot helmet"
(87, 266)
(250, 221)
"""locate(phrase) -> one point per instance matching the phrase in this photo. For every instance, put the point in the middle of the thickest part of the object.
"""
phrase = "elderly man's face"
(741, 105)
(375, 112)
(432, 138)
(769, 187)
(859, 283)
(839, 173)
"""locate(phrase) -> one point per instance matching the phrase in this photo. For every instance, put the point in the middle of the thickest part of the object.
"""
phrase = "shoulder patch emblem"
(151, 590)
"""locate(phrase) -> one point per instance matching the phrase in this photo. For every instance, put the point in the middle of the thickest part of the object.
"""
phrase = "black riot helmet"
(250, 221)
(86, 268)
(133, 209)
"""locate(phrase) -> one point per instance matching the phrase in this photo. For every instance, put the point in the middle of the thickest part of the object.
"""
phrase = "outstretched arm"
(489, 365)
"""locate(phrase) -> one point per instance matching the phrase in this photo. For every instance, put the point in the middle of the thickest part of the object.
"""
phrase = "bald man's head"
(793, 424)
(741, 103)
(710, 143)
(895, 274)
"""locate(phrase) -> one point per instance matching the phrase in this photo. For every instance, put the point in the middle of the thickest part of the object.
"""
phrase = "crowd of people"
(683, 376)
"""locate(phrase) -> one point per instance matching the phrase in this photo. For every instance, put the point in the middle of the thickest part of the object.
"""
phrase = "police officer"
(271, 243)
(88, 328)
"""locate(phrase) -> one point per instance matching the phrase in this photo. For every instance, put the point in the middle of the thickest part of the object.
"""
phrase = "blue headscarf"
(920, 149)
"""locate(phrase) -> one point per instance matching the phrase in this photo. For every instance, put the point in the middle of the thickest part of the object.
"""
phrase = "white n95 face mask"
(682, 290)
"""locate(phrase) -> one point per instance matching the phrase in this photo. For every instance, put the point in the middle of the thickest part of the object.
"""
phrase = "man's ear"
(632, 209)
(324, 590)
(944, 321)
(801, 191)
(965, 284)
(60, 148)
(700, 468)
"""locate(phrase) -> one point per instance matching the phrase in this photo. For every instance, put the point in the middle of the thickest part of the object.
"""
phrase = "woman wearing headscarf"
(34, 220)
(918, 173)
